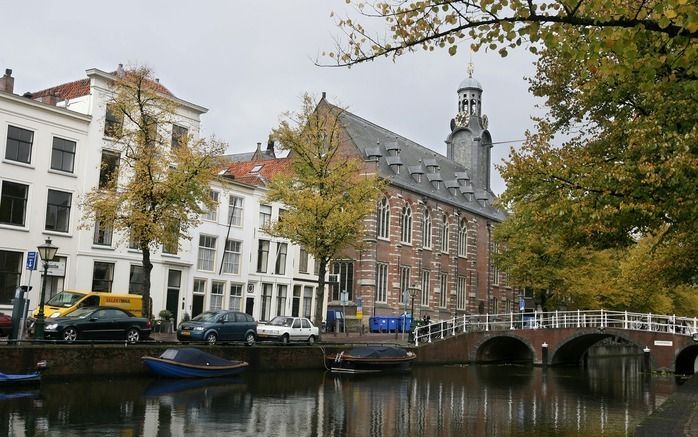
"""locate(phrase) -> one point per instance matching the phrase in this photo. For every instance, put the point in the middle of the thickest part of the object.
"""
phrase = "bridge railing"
(600, 319)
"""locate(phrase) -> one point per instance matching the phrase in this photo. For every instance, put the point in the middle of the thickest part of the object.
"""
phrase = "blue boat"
(17, 379)
(192, 363)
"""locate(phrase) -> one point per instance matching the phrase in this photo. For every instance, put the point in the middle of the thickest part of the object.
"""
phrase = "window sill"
(102, 247)
(169, 255)
(57, 233)
(14, 227)
(384, 238)
(62, 173)
(19, 164)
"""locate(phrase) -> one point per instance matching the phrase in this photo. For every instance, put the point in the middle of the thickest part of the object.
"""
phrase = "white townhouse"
(55, 148)
(43, 156)
(282, 278)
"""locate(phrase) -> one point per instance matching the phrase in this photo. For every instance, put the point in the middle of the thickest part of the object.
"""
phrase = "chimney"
(7, 82)
(259, 147)
(270, 147)
(120, 70)
(50, 99)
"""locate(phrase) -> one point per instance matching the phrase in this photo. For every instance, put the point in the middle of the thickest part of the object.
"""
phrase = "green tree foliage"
(159, 191)
(612, 166)
(327, 193)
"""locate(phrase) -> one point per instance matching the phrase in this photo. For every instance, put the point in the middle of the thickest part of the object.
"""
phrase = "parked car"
(98, 323)
(286, 329)
(5, 325)
(215, 326)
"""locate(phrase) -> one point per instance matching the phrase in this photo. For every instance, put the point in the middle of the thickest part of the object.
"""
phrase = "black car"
(213, 326)
(97, 323)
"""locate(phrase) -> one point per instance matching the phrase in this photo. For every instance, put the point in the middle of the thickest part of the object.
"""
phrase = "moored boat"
(370, 359)
(21, 379)
(192, 363)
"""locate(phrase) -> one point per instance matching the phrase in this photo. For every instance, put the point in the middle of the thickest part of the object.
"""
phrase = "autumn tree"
(613, 164)
(327, 193)
(160, 188)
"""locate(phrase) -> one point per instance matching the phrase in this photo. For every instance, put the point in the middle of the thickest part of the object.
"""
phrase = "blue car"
(214, 326)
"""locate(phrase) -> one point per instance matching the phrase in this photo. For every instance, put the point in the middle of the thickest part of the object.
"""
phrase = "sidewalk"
(327, 337)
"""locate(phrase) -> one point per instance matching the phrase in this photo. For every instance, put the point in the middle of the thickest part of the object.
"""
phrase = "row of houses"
(431, 230)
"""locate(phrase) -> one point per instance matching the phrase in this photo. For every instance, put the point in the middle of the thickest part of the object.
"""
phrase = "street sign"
(344, 297)
(522, 304)
(31, 260)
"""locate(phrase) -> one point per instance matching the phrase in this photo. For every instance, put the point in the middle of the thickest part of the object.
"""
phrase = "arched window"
(426, 228)
(383, 226)
(444, 234)
(463, 238)
(406, 225)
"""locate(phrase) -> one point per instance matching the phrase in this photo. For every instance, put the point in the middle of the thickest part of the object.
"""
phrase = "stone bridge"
(669, 343)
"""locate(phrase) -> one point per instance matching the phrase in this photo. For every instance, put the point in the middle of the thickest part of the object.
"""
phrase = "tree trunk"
(320, 293)
(146, 307)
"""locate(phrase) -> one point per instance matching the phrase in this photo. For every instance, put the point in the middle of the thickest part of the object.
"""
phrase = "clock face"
(462, 119)
(485, 121)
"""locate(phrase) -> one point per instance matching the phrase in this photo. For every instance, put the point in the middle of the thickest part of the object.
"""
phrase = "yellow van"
(68, 301)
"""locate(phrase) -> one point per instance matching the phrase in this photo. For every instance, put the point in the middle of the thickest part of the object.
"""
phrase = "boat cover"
(193, 356)
(378, 352)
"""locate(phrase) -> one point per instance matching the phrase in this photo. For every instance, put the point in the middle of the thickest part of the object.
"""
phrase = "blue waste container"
(393, 324)
(378, 324)
(405, 323)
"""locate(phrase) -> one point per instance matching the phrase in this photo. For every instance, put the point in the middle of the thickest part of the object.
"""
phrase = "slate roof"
(368, 136)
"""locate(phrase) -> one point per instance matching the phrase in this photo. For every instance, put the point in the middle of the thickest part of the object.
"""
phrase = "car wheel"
(133, 335)
(285, 339)
(311, 340)
(70, 334)
(249, 339)
(211, 338)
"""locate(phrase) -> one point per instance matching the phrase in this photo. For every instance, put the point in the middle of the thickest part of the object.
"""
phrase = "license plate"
(185, 333)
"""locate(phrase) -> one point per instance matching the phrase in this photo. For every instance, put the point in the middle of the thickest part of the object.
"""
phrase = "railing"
(600, 319)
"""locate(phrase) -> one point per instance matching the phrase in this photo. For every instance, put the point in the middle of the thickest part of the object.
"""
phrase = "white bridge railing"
(600, 319)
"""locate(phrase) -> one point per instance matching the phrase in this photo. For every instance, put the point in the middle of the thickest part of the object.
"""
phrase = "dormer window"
(431, 165)
(394, 162)
(393, 148)
(416, 172)
(256, 168)
(435, 179)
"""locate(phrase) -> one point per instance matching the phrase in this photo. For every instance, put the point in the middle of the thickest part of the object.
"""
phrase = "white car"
(286, 329)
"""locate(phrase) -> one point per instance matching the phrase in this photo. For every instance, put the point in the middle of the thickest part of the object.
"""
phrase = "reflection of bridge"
(670, 343)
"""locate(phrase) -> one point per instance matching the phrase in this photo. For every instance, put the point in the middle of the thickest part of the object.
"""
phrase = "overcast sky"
(248, 62)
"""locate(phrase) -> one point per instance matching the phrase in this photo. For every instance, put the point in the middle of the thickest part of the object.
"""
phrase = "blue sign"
(31, 260)
(522, 304)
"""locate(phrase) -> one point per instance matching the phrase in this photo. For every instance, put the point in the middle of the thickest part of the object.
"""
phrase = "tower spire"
(471, 67)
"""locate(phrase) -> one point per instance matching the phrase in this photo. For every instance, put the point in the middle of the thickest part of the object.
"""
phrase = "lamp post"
(47, 252)
(413, 290)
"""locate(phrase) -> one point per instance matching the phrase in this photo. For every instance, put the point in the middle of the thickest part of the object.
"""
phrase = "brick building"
(432, 229)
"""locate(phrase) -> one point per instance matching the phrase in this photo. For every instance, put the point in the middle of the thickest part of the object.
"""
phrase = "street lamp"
(413, 290)
(47, 252)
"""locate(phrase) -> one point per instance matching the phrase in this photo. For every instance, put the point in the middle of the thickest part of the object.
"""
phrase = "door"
(174, 279)
(197, 305)
(249, 306)
(96, 327)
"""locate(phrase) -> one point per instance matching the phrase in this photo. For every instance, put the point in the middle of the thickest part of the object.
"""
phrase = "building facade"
(57, 147)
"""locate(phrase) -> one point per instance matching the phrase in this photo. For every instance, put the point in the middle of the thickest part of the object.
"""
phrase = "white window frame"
(201, 263)
(381, 282)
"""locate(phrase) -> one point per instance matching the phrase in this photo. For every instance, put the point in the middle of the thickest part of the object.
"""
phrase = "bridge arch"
(686, 360)
(504, 349)
(572, 351)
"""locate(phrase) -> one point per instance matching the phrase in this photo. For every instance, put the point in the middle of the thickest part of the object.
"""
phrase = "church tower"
(469, 143)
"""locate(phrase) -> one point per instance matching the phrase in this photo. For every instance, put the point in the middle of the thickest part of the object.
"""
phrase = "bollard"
(646, 362)
(544, 354)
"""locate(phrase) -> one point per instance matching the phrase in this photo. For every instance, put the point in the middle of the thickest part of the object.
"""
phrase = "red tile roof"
(241, 171)
(81, 88)
(66, 91)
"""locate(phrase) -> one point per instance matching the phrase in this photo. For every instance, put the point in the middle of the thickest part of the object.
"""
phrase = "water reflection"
(609, 397)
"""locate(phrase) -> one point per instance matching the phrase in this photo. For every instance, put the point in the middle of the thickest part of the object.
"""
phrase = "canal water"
(609, 397)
